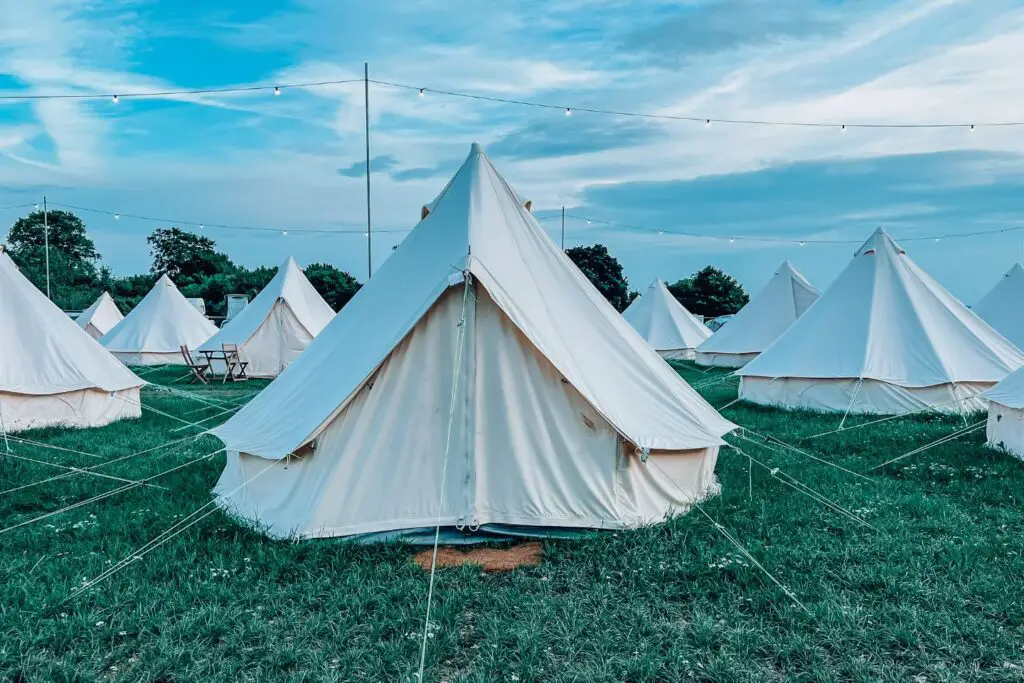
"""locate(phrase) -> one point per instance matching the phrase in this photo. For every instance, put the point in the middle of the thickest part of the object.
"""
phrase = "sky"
(297, 160)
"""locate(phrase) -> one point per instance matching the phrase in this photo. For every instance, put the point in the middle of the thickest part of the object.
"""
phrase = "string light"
(475, 96)
(201, 226)
(117, 216)
(843, 129)
(284, 233)
(801, 243)
(422, 92)
(731, 240)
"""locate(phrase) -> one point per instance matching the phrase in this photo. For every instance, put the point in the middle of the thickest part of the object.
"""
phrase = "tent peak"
(879, 239)
(475, 148)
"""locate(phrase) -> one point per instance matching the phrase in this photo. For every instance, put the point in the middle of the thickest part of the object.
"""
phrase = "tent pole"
(563, 228)
(46, 247)
(366, 100)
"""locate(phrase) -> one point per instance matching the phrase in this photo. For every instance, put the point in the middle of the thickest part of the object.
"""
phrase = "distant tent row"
(52, 373)
(479, 352)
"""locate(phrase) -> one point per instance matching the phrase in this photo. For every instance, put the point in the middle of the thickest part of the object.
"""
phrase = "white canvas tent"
(273, 329)
(478, 370)
(1005, 428)
(51, 372)
(666, 325)
(1003, 307)
(101, 317)
(884, 338)
(153, 332)
(765, 317)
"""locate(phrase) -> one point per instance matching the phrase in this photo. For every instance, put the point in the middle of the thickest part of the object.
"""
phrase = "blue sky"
(296, 160)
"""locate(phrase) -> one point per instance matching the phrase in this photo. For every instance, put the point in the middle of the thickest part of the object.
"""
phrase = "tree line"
(192, 261)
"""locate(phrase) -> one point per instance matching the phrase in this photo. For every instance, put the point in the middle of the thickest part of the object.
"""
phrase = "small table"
(230, 365)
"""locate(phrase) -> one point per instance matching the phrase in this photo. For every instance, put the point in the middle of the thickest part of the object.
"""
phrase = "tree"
(710, 292)
(63, 230)
(334, 285)
(185, 257)
(74, 279)
(605, 272)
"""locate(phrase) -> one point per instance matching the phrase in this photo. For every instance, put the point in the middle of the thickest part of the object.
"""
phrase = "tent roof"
(103, 314)
(1002, 306)
(1009, 392)
(663, 321)
(163, 321)
(886, 319)
(288, 285)
(784, 299)
(43, 350)
(478, 226)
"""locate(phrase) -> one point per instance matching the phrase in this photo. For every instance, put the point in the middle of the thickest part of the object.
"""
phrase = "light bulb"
(843, 129)
(117, 216)
(972, 126)
(801, 243)
(936, 239)
(201, 226)
(37, 207)
(366, 234)
(707, 124)
(661, 232)
(422, 92)
(284, 233)
(731, 240)
(568, 112)
(118, 99)
(588, 221)
(277, 90)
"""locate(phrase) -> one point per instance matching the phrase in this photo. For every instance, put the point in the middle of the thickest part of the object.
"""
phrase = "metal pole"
(563, 228)
(369, 237)
(46, 245)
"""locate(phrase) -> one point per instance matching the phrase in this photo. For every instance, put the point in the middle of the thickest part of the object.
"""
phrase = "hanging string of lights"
(588, 220)
(155, 94)
(780, 240)
(202, 226)
(568, 110)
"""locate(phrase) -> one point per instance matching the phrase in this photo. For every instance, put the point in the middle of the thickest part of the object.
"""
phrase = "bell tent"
(478, 382)
(885, 338)
(1005, 427)
(52, 373)
(101, 317)
(1003, 307)
(277, 325)
(765, 317)
(666, 325)
(154, 331)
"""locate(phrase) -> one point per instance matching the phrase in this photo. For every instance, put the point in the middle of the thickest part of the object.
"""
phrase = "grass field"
(933, 592)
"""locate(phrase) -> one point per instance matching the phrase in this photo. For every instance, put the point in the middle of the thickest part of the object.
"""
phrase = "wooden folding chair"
(234, 365)
(198, 368)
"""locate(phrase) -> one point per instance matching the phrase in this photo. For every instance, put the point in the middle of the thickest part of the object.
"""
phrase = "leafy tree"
(710, 292)
(128, 291)
(72, 256)
(215, 288)
(66, 233)
(185, 257)
(605, 272)
(334, 285)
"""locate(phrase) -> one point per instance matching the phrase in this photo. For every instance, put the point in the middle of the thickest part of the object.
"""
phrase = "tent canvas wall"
(480, 362)
(1005, 427)
(276, 326)
(101, 317)
(153, 332)
(765, 317)
(885, 338)
(1003, 306)
(52, 373)
(666, 325)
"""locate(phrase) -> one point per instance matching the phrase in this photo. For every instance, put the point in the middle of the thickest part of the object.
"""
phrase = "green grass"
(934, 594)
